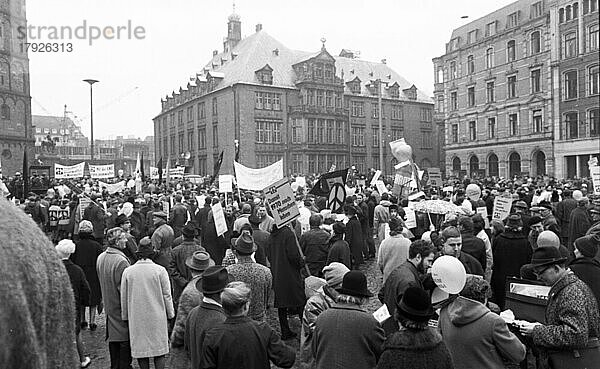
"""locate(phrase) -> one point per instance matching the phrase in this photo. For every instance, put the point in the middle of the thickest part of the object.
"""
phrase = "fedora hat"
(415, 305)
(189, 231)
(214, 279)
(544, 256)
(199, 261)
(355, 284)
(245, 244)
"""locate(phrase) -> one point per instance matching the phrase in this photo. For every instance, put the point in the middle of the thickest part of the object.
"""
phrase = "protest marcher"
(178, 270)
(242, 219)
(241, 342)
(29, 261)
(475, 336)
(315, 245)
(261, 240)
(471, 244)
(535, 228)
(318, 303)
(215, 245)
(585, 266)
(572, 316)
(208, 314)
(408, 274)
(511, 251)
(97, 216)
(415, 345)
(550, 239)
(544, 209)
(354, 237)
(366, 222)
(595, 228)
(563, 214)
(81, 292)
(286, 264)
(452, 245)
(339, 250)
(393, 251)
(202, 217)
(189, 299)
(256, 276)
(110, 267)
(479, 231)
(146, 305)
(345, 335)
(579, 222)
(123, 221)
(85, 256)
(178, 216)
(162, 239)
(381, 216)
(266, 221)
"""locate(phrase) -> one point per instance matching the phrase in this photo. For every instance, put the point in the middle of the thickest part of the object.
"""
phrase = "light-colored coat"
(147, 304)
(393, 252)
(110, 267)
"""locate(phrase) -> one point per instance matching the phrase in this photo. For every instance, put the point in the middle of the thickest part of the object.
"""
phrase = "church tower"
(234, 31)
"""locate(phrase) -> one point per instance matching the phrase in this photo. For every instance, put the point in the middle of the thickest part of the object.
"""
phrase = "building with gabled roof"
(312, 109)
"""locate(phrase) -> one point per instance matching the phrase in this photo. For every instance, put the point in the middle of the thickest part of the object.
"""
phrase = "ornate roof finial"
(234, 16)
(323, 40)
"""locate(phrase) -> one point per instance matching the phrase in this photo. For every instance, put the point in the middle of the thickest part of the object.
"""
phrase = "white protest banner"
(84, 202)
(502, 207)
(281, 202)
(375, 177)
(112, 188)
(482, 210)
(102, 171)
(257, 179)
(411, 218)
(219, 217)
(225, 183)
(448, 189)
(68, 171)
(595, 174)
(381, 187)
(301, 181)
(416, 195)
(176, 172)
(435, 176)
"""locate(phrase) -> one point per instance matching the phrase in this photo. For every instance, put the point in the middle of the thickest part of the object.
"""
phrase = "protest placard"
(102, 171)
(482, 210)
(219, 216)
(225, 183)
(68, 171)
(595, 174)
(58, 216)
(381, 187)
(166, 207)
(411, 218)
(502, 207)
(375, 177)
(435, 177)
(280, 200)
(84, 202)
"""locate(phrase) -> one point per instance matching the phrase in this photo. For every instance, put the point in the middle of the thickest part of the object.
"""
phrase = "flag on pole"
(0, 169)
(142, 166)
(25, 174)
(217, 167)
(168, 169)
(326, 181)
(138, 167)
(160, 169)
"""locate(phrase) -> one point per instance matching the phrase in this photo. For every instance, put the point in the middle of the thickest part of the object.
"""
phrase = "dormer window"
(328, 71)
(411, 92)
(318, 70)
(354, 86)
(265, 75)
(394, 91)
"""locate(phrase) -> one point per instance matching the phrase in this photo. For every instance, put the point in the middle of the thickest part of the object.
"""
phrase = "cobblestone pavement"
(97, 348)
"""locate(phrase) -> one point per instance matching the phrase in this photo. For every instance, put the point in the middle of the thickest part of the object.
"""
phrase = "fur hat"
(587, 245)
(85, 226)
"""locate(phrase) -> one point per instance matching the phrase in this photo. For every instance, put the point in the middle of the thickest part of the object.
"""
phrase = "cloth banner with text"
(102, 171)
(68, 171)
(257, 179)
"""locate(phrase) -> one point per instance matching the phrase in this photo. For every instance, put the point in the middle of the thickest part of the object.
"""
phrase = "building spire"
(323, 40)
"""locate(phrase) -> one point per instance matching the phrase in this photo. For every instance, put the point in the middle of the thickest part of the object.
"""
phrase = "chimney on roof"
(258, 27)
(383, 61)
(215, 52)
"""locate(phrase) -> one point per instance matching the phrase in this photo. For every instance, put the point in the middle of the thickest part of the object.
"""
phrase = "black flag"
(25, 174)
(160, 170)
(217, 167)
(142, 167)
(326, 181)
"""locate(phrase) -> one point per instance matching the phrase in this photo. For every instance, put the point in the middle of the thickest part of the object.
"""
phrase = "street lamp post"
(91, 82)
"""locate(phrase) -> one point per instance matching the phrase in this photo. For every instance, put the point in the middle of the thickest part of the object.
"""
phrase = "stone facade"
(311, 109)
(15, 100)
(493, 92)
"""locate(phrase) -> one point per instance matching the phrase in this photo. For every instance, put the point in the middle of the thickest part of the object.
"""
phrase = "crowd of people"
(177, 292)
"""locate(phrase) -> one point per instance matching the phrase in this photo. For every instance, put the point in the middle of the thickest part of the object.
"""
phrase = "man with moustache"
(408, 274)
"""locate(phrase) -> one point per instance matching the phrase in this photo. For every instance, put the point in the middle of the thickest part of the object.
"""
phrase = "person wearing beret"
(585, 266)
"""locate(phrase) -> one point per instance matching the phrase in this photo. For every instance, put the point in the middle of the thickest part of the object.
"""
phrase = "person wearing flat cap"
(209, 312)
(595, 228)
(416, 345)
(178, 270)
(255, 275)
(191, 297)
(162, 239)
(345, 335)
(147, 305)
(585, 266)
(572, 315)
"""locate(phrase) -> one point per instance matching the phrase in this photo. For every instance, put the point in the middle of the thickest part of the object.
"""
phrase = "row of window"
(191, 143)
(320, 131)
(397, 112)
(319, 163)
(571, 83)
(199, 112)
(267, 101)
(537, 126)
(268, 131)
(571, 12)
(570, 44)
(315, 97)
(575, 128)
(53, 131)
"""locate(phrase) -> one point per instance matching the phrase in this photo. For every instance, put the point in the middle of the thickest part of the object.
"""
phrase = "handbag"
(584, 358)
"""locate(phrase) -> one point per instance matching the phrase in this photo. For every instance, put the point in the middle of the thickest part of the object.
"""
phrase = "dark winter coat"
(315, 245)
(178, 270)
(563, 215)
(138, 225)
(571, 316)
(214, 245)
(339, 251)
(355, 240)
(414, 349)
(511, 251)
(475, 247)
(579, 223)
(199, 321)
(241, 342)
(588, 270)
(346, 336)
(476, 337)
(406, 275)
(97, 216)
(472, 266)
(85, 255)
(81, 288)
(286, 264)
(178, 218)
(37, 309)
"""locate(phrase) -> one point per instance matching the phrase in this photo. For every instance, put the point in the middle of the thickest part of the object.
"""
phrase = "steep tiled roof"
(259, 49)
(46, 121)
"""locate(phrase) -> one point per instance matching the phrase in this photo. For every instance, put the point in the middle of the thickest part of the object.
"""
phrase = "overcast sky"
(181, 34)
